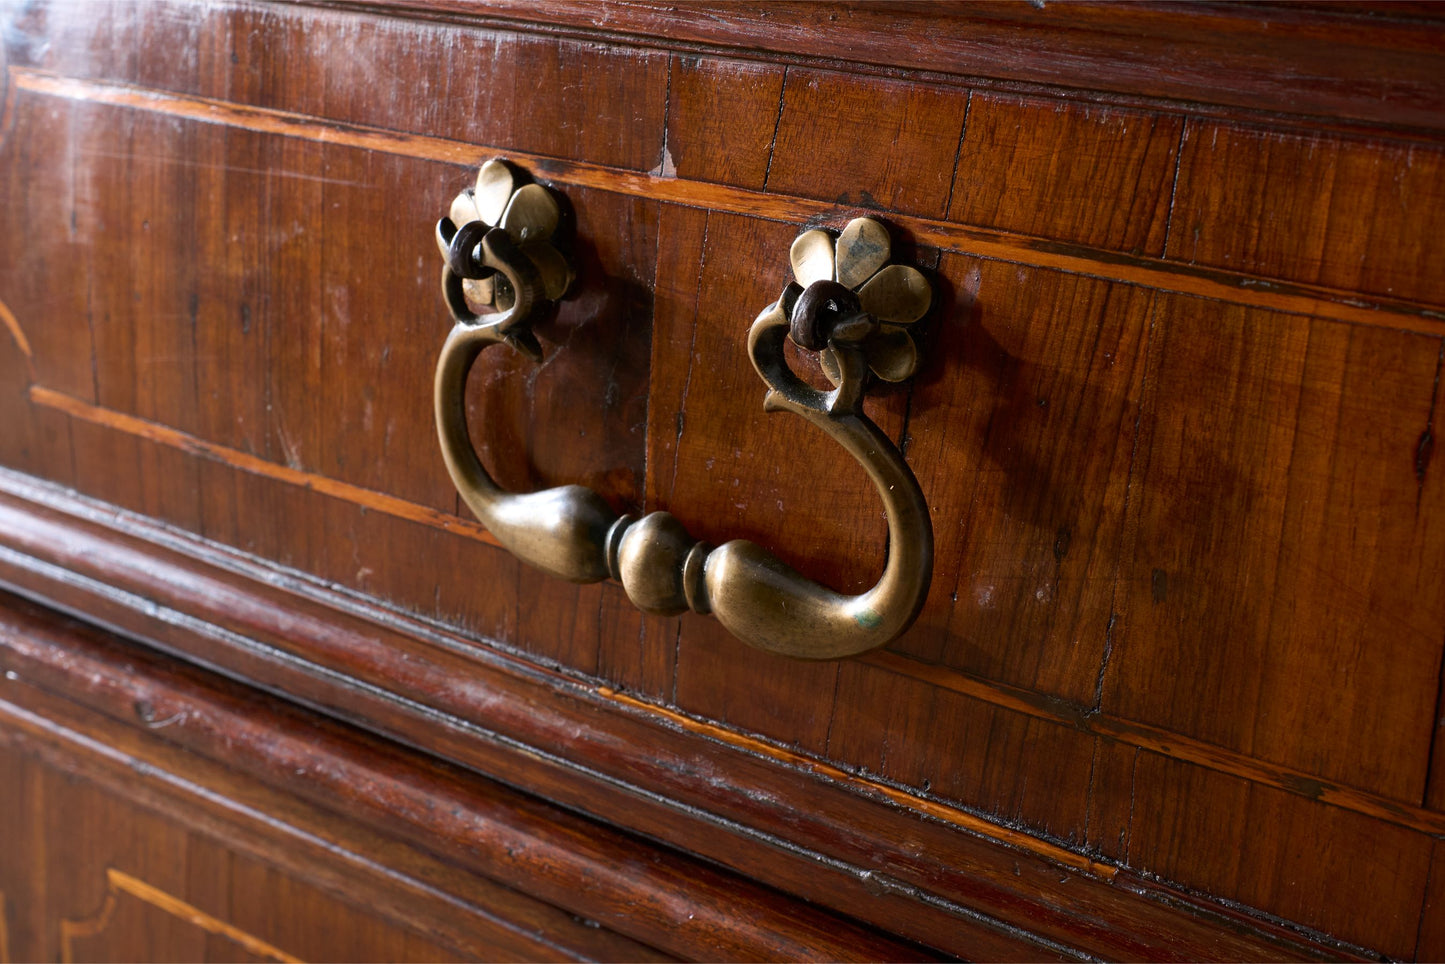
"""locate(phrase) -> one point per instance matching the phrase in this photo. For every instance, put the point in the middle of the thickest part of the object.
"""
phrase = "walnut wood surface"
(1372, 63)
(860, 846)
(686, 907)
(1176, 425)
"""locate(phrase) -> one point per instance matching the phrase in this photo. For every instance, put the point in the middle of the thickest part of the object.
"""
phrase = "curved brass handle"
(571, 532)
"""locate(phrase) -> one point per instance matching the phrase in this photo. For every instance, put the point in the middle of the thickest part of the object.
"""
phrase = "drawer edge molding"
(962, 883)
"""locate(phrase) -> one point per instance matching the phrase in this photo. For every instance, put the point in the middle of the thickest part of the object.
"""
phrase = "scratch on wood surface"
(1426, 446)
(1174, 185)
(957, 156)
(777, 124)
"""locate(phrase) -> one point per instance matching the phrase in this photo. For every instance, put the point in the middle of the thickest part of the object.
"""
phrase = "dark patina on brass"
(847, 303)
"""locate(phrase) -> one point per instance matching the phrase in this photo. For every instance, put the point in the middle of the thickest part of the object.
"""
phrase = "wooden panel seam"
(1157, 274)
(488, 828)
(219, 810)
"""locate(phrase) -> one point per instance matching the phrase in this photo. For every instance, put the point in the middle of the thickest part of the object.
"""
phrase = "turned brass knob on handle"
(847, 302)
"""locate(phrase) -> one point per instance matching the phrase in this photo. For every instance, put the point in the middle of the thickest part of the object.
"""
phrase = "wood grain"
(1310, 208)
(516, 838)
(1111, 189)
(1022, 432)
(1431, 941)
(119, 422)
(1021, 770)
(709, 418)
(288, 634)
(1176, 426)
(1343, 63)
(1435, 787)
(722, 116)
(1283, 546)
(1232, 286)
(1310, 865)
(83, 809)
(59, 353)
(884, 145)
(337, 905)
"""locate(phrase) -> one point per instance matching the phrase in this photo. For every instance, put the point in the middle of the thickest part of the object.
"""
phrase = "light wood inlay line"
(12, 325)
(1234, 287)
(165, 435)
(938, 811)
(4, 931)
(1051, 710)
(122, 883)
(1131, 734)
(1164, 743)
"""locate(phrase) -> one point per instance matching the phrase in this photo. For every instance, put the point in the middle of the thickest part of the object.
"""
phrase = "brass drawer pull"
(847, 303)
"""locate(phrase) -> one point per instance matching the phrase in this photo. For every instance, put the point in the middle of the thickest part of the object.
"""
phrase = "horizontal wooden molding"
(667, 900)
(1051, 709)
(456, 906)
(877, 852)
(1381, 69)
(1152, 273)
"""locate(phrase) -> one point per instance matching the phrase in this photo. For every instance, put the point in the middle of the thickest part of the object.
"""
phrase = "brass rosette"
(850, 293)
(529, 215)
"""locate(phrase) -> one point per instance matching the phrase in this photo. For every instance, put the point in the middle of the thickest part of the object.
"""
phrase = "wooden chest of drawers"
(270, 690)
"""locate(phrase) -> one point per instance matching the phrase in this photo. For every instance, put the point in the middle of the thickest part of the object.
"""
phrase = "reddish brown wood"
(1233, 286)
(89, 876)
(1310, 209)
(1026, 771)
(648, 757)
(1176, 427)
(1110, 189)
(1431, 942)
(722, 116)
(1312, 869)
(672, 902)
(1022, 439)
(1283, 548)
(1435, 788)
(877, 144)
(1346, 64)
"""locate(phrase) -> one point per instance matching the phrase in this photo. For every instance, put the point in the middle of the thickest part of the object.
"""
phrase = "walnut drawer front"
(1175, 690)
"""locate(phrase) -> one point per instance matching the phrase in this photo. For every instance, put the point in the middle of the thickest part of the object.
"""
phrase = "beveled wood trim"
(660, 897)
(1153, 273)
(1051, 709)
(875, 852)
(453, 906)
(1381, 71)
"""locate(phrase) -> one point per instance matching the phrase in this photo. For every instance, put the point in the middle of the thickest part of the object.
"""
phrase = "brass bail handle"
(847, 302)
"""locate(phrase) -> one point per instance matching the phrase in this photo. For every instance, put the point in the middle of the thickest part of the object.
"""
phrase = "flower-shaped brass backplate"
(895, 296)
(527, 212)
